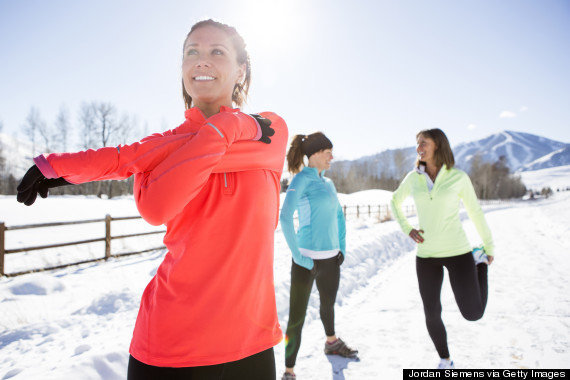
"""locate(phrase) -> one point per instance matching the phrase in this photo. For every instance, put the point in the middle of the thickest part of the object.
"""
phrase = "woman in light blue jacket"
(318, 247)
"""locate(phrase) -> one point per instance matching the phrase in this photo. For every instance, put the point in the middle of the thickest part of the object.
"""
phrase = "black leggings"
(259, 366)
(469, 285)
(327, 274)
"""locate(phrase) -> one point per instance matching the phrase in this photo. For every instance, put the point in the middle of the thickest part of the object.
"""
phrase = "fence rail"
(107, 239)
(382, 212)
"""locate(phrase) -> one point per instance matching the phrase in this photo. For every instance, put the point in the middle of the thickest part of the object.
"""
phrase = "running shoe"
(288, 376)
(480, 256)
(340, 348)
(446, 364)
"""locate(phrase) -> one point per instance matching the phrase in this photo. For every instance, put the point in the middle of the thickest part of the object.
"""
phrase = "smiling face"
(210, 69)
(426, 149)
(321, 160)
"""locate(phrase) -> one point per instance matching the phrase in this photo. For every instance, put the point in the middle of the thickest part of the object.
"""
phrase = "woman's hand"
(490, 259)
(340, 258)
(34, 183)
(266, 130)
(415, 235)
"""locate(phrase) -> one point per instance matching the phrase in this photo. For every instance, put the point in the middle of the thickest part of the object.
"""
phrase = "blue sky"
(369, 74)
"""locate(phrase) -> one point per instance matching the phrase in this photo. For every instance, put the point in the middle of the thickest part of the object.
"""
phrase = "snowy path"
(77, 323)
(526, 325)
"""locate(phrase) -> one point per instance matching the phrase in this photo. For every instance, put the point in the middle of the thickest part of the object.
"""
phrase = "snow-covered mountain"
(560, 157)
(519, 148)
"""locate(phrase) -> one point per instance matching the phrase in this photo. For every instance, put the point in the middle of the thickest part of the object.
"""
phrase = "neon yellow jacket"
(438, 212)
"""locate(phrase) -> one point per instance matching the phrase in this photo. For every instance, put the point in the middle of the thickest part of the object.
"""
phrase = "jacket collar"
(313, 172)
(422, 169)
(196, 116)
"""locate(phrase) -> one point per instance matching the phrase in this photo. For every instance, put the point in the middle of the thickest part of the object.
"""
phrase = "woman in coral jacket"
(209, 312)
(318, 247)
(437, 187)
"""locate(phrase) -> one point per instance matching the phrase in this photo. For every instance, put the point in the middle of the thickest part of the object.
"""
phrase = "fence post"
(344, 211)
(369, 211)
(107, 236)
(2, 247)
(357, 211)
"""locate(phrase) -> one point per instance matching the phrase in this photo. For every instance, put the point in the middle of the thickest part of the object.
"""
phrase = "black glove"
(340, 258)
(266, 130)
(34, 183)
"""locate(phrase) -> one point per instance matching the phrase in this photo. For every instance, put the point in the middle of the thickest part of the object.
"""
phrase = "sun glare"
(269, 25)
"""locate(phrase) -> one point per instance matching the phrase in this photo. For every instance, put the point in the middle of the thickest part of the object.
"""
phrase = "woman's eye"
(192, 52)
(217, 52)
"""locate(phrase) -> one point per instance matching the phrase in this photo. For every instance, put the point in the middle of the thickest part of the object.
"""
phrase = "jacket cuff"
(45, 167)
(259, 134)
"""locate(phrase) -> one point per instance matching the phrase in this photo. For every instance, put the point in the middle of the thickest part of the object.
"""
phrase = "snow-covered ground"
(557, 178)
(76, 323)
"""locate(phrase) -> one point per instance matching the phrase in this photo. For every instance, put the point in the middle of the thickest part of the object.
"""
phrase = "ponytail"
(305, 145)
(295, 154)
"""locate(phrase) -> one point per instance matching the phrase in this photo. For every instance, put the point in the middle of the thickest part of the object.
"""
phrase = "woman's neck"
(314, 166)
(432, 169)
(210, 109)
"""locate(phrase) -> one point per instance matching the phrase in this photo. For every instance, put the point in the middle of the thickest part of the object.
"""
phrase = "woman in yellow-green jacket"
(437, 188)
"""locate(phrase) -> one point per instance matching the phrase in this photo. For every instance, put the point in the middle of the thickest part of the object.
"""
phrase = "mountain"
(519, 148)
(560, 157)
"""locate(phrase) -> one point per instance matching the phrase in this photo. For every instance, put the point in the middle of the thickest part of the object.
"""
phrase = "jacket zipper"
(229, 179)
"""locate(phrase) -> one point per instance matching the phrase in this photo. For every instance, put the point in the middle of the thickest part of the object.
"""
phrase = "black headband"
(312, 144)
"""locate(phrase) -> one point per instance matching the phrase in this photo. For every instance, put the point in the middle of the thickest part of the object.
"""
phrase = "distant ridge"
(524, 151)
(560, 157)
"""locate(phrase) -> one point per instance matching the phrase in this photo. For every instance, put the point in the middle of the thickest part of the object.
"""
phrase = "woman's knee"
(472, 315)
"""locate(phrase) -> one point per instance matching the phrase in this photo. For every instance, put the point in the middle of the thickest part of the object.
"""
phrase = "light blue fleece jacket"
(321, 220)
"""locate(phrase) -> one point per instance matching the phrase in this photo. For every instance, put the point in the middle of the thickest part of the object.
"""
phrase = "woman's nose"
(202, 63)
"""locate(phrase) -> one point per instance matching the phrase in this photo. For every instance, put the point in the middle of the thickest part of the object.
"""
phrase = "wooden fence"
(381, 212)
(107, 239)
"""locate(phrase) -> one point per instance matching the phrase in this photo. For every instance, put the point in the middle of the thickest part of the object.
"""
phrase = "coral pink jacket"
(212, 299)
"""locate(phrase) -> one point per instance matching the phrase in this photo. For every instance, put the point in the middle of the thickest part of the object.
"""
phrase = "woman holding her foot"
(209, 312)
(318, 247)
(437, 188)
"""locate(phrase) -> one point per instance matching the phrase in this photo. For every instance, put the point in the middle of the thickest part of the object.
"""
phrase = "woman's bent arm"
(116, 163)
(294, 193)
(401, 193)
(475, 213)
(163, 192)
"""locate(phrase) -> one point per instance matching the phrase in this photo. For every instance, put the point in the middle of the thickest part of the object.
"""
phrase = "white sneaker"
(446, 364)
(480, 256)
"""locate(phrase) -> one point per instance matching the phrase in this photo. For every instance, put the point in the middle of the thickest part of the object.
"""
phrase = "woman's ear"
(241, 73)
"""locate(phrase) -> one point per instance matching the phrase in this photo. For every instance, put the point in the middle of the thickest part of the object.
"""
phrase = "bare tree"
(61, 132)
(36, 127)
(87, 122)
(494, 181)
(103, 126)
(31, 127)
